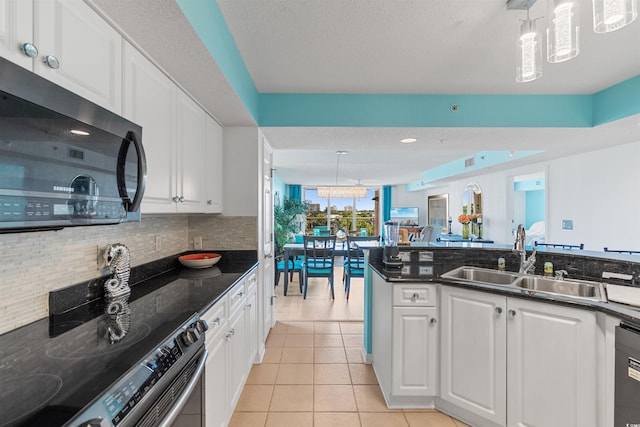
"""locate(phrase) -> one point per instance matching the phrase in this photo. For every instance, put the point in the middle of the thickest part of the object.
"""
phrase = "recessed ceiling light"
(79, 132)
(408, 140)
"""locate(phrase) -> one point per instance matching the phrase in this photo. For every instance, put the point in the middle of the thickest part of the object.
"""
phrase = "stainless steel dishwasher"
(627, 387)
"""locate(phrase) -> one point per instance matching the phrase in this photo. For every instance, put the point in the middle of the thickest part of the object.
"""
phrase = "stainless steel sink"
(481, 275)
(569, 287)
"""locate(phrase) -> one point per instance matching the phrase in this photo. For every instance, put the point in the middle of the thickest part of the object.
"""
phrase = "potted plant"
(284, 218)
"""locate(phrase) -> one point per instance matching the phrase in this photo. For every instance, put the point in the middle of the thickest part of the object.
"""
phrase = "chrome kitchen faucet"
(526, 265)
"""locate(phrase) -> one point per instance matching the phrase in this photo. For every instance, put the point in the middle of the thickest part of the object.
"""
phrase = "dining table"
(292, 250)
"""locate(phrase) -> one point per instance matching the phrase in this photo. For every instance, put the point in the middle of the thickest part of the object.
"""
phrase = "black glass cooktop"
(52, 368)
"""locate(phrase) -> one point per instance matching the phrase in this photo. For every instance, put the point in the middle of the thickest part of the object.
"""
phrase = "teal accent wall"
(361, 110)
(618, 101)
(535, 207)
(207, 20)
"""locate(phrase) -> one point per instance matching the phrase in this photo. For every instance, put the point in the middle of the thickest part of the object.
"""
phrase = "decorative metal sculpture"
(117, 291)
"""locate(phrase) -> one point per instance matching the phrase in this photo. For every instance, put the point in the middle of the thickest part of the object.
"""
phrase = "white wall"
(400, 198)
(241, 166)
(595, 190)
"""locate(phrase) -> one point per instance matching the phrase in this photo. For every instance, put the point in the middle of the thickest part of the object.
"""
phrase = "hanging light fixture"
(611, 15)
(563, 31)
(530, 52)
(341, 191)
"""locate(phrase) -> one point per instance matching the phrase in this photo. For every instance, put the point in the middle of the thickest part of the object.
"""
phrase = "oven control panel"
(124, 397)
(146, 380)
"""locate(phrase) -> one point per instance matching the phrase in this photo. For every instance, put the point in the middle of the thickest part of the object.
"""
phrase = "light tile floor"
(313, 374)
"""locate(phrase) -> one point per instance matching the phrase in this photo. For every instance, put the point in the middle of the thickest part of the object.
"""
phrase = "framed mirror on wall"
(438, 212)
(472, 206)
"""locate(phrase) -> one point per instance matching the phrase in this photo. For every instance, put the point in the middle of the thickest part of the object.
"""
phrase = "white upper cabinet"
(74, 47)
(213, 168)
(178, 137)
(150, 101)
(16, 28)
(191, 145)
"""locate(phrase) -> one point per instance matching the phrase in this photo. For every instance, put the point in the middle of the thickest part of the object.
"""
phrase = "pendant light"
(530, 52)
(563, 31)
(611, 15)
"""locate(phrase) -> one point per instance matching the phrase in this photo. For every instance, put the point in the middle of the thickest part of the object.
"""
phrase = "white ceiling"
(382, 46)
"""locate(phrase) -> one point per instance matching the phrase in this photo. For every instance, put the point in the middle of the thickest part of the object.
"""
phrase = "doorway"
(529, 205)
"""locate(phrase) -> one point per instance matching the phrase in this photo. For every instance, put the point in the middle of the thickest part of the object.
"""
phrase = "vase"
(465, 231)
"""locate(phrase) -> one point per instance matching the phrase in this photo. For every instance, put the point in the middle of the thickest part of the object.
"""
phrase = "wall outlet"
(100, 261)
(158, 243)
(197, 242)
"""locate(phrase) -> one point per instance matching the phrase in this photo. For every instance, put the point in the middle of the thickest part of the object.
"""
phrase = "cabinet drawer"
(216, 317)
(252, 283)
(237, 297)
(414, 295)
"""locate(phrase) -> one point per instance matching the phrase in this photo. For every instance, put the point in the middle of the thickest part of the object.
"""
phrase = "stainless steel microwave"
(64, 161)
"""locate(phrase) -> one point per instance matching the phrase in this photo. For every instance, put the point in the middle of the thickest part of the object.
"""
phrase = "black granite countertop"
(67, 359)
(624, 312)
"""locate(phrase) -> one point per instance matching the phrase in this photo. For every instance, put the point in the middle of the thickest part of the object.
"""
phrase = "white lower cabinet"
(229, 342)
(405, 342)
(517, 362)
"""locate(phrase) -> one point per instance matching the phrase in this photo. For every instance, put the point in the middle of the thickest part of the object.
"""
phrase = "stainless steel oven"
(163, 389)
(627, 376)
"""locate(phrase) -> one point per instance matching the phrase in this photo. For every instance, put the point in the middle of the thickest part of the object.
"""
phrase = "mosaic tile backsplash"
(32, 264)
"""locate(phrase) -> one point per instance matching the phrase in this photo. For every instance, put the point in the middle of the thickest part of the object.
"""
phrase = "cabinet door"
(414, 335)
(237, 356)
(150, 102)
(214, 174)
(251, 318)
(191, 155)
(216, 398)
(16, 28)
(87, 48)
(473, 352)
(552, 365)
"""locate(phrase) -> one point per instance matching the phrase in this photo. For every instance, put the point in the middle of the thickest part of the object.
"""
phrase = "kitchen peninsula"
(495, 354)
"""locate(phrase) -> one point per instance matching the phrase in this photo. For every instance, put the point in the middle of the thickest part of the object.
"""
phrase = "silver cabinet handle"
(498, 310)
(30, 50)
(232, 331)
(433, 321)
(52, 62)
(216, 321)
(415, 297)
(176, 199)
(249, 306)
(240, 295)
(227, 337)
(181, 199)
(512, 313)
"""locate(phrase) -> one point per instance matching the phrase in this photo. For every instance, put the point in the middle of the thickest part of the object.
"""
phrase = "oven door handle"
(186, 393)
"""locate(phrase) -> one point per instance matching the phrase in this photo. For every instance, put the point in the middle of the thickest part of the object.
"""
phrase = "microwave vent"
(76, 154)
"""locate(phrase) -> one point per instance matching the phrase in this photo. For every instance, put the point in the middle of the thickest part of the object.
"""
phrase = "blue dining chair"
(355, 262)
(295, 266)
(318, 260)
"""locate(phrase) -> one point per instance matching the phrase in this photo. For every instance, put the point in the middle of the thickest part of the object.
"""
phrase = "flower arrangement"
(466, 219)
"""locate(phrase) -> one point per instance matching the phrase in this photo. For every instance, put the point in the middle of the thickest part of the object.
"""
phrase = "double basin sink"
(568, 287)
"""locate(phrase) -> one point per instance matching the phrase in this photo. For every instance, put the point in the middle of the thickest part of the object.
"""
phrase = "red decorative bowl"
(202, 260)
